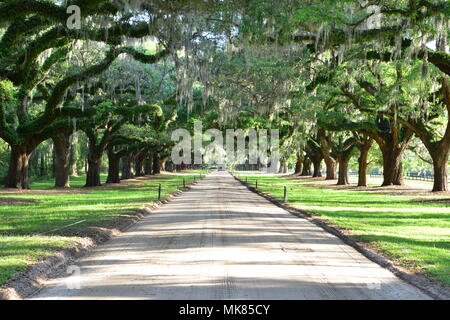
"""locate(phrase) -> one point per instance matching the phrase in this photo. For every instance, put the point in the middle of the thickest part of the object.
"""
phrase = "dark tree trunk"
(306, 167)
(362, 170)
(113, 166)
(364, 149)
(170, 167)
(317, 169)
(343, 161)
(127, 170)
(93, 171)
(157, 167)
(94, 161)
(440, 175)
(298, 164)
(329, 161)
(156, 164)
(139, 164)
(317, 164)
(331, 168)
(148, 165)
(61, 144)
(18, 167)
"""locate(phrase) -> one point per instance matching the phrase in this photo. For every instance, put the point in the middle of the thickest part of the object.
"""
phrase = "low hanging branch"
(58, 92)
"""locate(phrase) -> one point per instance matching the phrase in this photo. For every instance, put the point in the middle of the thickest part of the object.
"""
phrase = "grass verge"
(38, 223)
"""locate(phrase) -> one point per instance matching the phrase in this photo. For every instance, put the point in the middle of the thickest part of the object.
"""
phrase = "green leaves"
(6, 91)
(320, 14)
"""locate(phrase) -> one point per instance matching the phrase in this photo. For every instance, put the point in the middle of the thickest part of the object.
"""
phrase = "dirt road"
(221, 241)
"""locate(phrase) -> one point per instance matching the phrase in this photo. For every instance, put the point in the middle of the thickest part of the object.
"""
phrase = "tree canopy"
(339, 78)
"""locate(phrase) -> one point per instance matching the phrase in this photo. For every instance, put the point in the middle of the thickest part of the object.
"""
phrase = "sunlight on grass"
(25, 229)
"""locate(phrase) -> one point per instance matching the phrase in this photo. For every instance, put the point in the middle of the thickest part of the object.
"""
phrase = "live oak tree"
(398, 30)
(364, 143)
(140, 145)
(36, 42)
(330, 159)
(314, 153)
(284, 62)
(343, 150)
(119, 148)
(62, 145)
(109, 118)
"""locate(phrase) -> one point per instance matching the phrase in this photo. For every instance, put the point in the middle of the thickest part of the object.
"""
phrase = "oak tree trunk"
(148, 165)
(94, 162)
(61, 144)
(362, 163)
(317, 164)
(306, 167)
(93, 171)
(343, 161)
(392, 166)
(139, 164)
(156, 164)
(298, 165)
(362, 171)
(18, 167)
(331, 168)
(440, 155)
(113, 166)
(330, 162)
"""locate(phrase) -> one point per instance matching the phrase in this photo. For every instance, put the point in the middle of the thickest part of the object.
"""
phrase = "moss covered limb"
(49, 40)
(6, 95)
(62, 86)
(13, 10)
(57, 95)
(439, 59)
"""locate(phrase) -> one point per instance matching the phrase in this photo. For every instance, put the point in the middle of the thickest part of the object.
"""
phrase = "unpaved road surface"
(221, 241)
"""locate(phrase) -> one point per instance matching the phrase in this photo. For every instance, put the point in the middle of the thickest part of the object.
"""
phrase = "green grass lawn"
(32, 231)
(413, 233)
